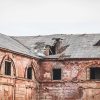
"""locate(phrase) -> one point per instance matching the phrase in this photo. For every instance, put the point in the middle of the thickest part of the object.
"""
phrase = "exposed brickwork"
(75, 83)
(17, 86)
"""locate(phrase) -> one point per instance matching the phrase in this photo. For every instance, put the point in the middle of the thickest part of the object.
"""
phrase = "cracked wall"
(16, 86)
(75, 83)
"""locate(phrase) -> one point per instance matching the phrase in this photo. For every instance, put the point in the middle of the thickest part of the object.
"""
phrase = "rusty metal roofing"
(80, 46)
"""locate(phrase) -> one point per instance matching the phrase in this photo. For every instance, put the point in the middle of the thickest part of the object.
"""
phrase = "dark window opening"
(7, 68)
(95, 73)
(29, 73)
(56, 74)
(97, 44)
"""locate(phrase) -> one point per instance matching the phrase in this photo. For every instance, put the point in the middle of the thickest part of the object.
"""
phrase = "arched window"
(29, 73)
(7, 66)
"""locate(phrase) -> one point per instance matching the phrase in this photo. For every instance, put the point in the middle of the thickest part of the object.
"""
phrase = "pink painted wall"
(75, 83)
(17, 87)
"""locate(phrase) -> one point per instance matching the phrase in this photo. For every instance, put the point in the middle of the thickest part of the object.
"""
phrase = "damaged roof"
(80, 46)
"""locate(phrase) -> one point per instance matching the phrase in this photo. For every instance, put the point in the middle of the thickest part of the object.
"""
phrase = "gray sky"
(41, 17)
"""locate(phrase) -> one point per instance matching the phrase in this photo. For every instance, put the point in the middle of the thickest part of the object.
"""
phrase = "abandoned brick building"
(51, 67)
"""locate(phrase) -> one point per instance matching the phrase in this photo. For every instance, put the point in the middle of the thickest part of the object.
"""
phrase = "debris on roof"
(77, 46)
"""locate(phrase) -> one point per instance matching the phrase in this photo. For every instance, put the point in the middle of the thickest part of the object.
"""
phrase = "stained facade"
(63, 67)
(14, 83)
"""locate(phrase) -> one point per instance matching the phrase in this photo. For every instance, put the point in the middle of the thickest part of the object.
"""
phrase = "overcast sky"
(41, 17)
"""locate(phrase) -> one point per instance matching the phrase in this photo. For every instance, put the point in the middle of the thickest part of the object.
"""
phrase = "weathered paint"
(17, 86)
(74, 84)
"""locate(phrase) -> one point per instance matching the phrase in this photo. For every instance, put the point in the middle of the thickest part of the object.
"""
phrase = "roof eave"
(22, 54)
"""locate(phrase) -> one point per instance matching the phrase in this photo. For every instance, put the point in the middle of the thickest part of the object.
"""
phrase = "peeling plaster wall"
(75, 83)
(17, 87)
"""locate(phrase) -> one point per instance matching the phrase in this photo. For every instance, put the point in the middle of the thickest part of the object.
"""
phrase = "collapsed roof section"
(97, 43)
(43, 45)
(54, 46)
(62, 45)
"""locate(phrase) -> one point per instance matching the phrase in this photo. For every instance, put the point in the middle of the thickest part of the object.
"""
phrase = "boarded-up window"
(57, 74)
(95, 73)
(29, 73)
(7, 68)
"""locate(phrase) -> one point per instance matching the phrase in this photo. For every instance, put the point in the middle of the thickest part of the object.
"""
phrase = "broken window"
(29, 73)
(7, 68)
(57, 74)
(95, 73)
(97, 44)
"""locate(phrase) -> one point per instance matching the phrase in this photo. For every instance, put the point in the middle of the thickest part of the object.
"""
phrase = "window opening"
(56, 74)
(29, 73)
(7, 68)
(95, 73)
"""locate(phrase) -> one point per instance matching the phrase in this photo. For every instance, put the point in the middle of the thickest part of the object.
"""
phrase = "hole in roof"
(97, 44)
